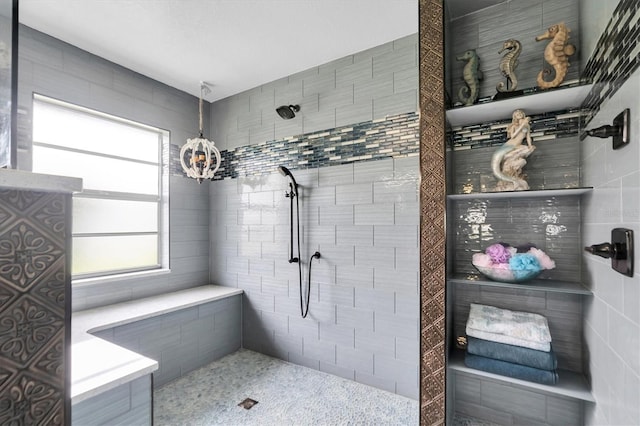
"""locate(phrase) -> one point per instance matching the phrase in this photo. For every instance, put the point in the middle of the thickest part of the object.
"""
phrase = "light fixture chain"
(200, 107)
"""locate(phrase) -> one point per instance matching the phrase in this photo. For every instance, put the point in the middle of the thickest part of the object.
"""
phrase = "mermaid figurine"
(508, 160)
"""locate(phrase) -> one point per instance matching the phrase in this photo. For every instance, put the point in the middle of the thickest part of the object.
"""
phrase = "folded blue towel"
(509, 369)
(510, 353)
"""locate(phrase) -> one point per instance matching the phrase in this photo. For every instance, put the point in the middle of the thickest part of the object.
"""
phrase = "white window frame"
(162, 199)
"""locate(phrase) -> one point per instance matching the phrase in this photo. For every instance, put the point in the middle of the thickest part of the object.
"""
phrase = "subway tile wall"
(53, 68)
(183, 340)
(612, 327)
(364, 307)
(365, 86)
(353, 149)
(505, 404)
(127, 404)
(486, 30)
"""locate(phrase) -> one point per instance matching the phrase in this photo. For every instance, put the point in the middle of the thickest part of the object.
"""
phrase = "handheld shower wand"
(293, 185)
(293, 193)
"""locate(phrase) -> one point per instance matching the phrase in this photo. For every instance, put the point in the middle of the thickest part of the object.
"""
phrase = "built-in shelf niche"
(548, 214)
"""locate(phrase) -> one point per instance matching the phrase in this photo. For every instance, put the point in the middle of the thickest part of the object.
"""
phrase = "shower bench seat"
(99, 365)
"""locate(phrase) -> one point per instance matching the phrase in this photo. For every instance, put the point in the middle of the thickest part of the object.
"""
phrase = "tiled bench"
(116, 348)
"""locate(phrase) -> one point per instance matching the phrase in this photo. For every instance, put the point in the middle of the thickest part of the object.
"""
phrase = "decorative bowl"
(507, 275)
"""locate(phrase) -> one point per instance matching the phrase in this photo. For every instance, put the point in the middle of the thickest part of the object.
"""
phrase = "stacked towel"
(510, 343)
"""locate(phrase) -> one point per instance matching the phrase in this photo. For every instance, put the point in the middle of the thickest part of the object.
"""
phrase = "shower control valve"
(619, 250)
(294, 260)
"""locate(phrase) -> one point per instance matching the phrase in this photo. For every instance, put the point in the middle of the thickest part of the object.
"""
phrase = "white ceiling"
(234, 45)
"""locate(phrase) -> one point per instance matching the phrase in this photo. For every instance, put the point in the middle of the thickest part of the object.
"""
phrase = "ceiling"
(233, 45)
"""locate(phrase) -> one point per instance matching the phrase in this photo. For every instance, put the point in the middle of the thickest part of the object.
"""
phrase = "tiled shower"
(353, 150)
(360, 212)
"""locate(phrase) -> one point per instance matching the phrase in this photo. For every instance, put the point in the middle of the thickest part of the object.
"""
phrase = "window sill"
(88, 282)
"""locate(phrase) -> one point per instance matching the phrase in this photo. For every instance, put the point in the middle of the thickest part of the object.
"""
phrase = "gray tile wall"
(364, 86)
(128, 404)
(612, 328)
(594, 15)
(184, 340)
(552, 225)
(615, 57)
(364, 308)
(362, 216)
(53, 68)
(523, 20)
(508, 405)
(554, 164)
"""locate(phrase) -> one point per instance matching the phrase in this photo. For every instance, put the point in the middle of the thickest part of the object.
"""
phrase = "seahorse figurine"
(556, 54)
(472, 75)
(508, 65)
(508, 160)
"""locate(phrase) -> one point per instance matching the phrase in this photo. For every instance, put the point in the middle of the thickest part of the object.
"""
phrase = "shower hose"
(306, 295)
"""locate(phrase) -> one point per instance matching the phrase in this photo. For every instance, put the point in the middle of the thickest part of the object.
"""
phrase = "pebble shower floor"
(287, 394)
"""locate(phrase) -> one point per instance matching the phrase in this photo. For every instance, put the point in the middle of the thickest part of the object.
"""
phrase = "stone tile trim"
(615, 57)
(432, 213)
(392, 137)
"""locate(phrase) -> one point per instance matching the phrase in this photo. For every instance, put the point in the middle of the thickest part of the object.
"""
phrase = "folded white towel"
(512, 327)
(501, 338)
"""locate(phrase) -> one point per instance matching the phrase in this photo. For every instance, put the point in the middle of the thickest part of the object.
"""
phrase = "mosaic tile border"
(546, 126)
(432, 212)
(393, 136)
(615, 57)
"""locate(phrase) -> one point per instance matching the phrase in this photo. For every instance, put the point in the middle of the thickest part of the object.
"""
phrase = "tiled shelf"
(553, 286)
(562, 192)
(536, 103)
(570, 384)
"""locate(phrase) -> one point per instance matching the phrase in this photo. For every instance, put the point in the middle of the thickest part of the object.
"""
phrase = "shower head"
(287, 112)
(286, 172)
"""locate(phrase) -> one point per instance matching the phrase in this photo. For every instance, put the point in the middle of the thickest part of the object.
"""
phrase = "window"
(118, 216)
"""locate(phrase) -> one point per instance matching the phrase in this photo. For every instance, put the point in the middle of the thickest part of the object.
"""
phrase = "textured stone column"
(34, 311)
(432, 213)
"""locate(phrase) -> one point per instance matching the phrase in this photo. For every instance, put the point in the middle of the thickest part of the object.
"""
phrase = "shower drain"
(248, 403)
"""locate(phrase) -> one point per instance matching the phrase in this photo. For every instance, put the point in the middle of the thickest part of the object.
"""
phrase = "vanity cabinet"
(547, 215)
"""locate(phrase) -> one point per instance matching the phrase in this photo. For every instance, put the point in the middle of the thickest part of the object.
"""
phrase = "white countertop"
(19, 179)
(98, 365)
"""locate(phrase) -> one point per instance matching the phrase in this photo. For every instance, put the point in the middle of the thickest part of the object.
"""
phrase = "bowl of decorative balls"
(512, 264)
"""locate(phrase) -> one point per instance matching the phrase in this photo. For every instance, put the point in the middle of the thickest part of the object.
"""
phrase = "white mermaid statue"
(508, 160)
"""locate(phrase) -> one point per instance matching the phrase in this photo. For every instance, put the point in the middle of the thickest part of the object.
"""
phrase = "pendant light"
(203, 156)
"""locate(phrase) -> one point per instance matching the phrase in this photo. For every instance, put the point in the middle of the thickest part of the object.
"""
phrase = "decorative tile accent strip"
(615, 57)
(549, 125)
(432, 213)
(395, 136)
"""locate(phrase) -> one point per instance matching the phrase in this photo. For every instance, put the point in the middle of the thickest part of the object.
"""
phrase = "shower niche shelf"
(554, 286)
(536, 103)
(570, 384)
(547, 215)
(538, 193)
